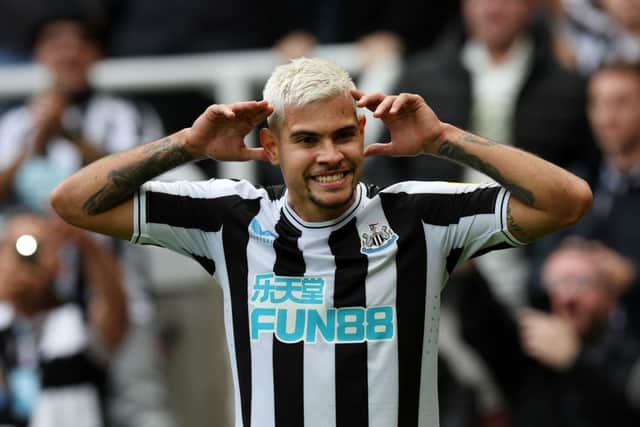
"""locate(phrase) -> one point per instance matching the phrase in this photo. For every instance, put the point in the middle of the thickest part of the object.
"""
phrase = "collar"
(296, 220)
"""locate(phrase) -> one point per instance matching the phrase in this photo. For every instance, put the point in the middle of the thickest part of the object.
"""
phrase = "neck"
(626, 161)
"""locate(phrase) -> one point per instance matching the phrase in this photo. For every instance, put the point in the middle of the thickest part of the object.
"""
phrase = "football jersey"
(328, 323)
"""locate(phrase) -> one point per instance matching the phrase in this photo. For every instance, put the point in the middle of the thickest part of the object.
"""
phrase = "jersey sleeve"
(185, 216)
(460, 221)
(481, 224)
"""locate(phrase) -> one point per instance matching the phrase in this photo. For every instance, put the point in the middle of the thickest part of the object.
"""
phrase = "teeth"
(330, 178)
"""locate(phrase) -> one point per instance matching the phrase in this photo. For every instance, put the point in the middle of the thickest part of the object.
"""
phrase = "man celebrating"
(331, 286)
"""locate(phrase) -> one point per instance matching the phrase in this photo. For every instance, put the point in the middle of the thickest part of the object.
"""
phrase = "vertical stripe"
(319, 360)
(382, 355)
(261, 260)
(235, 237)
(352, 397)
(288, 362)
(410, 302)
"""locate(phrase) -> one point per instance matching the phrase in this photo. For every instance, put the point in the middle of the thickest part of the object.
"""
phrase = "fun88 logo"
(293, 308)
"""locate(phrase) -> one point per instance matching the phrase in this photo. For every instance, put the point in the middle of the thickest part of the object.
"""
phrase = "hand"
(48, 109)
(549, 339)
(219, 132)
(414, 127)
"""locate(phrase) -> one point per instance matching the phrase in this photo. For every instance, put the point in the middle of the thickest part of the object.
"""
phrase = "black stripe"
(238, 213)
(137, 239)
(496, 247)
(71, 370)
(352, 391)
(452, 258)
(188, 212)
(288, 362)
(446, 209)
(411, 277)
(207, 263)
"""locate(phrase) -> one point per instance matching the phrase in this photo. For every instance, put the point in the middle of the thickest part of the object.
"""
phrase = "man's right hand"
(219, 132)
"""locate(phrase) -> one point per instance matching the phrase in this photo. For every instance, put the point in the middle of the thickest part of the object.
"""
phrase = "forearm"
(557, 194)
(108, 304)
(7, 176)
(110, 181)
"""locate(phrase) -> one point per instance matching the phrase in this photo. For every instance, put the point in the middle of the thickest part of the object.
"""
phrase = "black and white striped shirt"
(332, 323)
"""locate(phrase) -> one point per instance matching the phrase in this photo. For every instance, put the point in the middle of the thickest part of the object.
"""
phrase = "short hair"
(302, 81)
(92, 28)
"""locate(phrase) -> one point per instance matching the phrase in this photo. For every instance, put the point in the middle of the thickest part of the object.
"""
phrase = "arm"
(545, 197)
(108, 313)
(99, 196)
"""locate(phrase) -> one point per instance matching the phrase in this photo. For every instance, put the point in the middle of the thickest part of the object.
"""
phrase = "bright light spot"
(26, 245)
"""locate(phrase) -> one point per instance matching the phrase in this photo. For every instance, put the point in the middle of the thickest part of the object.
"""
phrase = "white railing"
(231, 76)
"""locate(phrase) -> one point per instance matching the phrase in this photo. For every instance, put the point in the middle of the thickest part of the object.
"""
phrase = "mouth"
(329, 178)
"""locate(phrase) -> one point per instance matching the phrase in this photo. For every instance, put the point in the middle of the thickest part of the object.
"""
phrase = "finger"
(357, 94)
(379, 150)
(384, 106)
(402, 100)
(371, 101)
(220, 110)
(258, 153)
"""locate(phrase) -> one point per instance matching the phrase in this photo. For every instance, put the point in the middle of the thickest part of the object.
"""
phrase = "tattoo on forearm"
(122, 183)
(515, 228)
(468, 137)
(457, 153)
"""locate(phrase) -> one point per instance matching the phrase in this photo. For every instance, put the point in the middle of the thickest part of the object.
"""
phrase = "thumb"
(379, 150)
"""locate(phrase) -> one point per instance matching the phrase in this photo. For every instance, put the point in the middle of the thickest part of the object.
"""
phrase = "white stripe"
(382, 356)
(262, 258)
(436, 240)
(319, 358)
(222, 278)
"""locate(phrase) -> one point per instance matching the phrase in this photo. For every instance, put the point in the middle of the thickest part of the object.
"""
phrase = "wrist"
(445, 133)
(184, 137)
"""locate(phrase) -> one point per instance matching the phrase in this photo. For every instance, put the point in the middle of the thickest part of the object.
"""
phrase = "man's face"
(614, 110)
(576, 292)
(64, 49)
(496, 23)
(319, 148)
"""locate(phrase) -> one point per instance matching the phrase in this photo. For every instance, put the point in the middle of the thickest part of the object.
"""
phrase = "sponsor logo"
(294, 310)
(258, 233)
(378, 238)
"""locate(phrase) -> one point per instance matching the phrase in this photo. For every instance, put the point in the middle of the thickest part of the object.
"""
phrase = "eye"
(306, 139)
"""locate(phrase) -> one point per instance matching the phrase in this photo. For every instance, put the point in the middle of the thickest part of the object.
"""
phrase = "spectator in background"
(577, 365)
(59, 322)
(495, 76)
(614, 115)
(69, 125)
(55, 133)
(591, 32)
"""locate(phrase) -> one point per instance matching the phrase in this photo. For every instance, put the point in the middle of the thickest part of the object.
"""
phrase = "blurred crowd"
(545, 335)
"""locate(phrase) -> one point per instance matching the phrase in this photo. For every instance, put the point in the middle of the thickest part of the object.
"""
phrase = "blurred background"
(543, 335)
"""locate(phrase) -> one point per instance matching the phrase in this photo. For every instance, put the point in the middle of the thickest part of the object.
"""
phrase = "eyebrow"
(302, 132)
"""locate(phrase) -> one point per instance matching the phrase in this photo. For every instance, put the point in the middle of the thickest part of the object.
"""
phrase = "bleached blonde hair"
(302, 81)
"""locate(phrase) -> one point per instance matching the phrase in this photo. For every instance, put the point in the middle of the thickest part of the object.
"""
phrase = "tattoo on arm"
(123, 182)
(515, 228)
(457, 153)
(468, 137)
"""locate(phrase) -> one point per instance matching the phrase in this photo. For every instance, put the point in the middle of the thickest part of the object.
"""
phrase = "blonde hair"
(302, 81)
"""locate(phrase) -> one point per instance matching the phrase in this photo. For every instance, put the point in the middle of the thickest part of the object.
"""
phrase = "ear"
(269, 142)
(362, 120)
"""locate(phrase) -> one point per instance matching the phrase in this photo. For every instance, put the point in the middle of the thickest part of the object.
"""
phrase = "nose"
(329, 153)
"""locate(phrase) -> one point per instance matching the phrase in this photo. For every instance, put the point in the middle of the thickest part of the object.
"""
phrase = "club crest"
(378, 238)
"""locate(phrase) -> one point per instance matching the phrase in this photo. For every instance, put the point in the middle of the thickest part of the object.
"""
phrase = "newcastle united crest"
(378, 238)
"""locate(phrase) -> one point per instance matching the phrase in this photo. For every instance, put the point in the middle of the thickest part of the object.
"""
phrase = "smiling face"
(319, 148)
